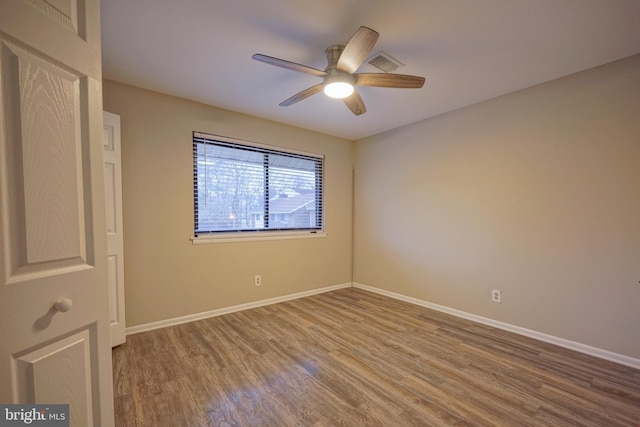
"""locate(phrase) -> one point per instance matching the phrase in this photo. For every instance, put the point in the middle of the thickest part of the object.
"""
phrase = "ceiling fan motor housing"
(337, 84)
(333, 54)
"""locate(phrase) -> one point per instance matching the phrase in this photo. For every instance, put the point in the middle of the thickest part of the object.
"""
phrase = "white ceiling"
(468, 50)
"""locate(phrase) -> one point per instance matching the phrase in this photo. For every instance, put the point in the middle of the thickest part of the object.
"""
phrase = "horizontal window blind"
(245, 187)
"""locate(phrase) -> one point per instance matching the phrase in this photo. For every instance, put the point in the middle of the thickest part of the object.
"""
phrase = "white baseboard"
(226, 310)
(572, 345)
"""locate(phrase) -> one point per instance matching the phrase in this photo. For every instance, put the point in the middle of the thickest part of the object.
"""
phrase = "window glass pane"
(246, 188)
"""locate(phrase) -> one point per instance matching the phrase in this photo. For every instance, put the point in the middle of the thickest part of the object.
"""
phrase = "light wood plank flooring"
(354, 358)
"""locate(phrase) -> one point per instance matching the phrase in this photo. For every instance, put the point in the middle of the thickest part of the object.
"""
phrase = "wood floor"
(354, 358)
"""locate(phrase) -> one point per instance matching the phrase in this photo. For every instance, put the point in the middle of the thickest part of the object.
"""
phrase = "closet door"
(54, 310)
(115, 240)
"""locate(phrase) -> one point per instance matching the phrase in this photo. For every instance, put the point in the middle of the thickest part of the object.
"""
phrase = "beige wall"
(165, 275)
(536, 193)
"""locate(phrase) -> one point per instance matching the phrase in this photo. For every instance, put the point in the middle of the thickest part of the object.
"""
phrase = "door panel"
(44, 165)
(63, 11)
(40, 373)
(52, 221)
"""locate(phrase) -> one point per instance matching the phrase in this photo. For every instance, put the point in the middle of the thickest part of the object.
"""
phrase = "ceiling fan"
(339, 78)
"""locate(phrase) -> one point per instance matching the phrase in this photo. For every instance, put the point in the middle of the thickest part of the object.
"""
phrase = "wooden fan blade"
(355, 103)
(357, 49)
(302, 95)
(389, 80)
(288, 65)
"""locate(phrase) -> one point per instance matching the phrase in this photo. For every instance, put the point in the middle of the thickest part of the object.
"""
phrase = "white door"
(54, 310)
(115, 240)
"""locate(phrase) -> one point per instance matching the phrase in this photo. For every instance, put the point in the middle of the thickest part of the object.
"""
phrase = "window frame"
(215, 236)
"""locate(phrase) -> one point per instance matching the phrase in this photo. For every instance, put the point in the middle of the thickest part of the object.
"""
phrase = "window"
(246, 187)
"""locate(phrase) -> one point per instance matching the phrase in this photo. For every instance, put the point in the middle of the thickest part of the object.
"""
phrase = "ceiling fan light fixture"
(338, 86)
(338, 89)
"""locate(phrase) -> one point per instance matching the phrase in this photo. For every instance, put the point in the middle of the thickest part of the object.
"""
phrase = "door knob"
(63, 305)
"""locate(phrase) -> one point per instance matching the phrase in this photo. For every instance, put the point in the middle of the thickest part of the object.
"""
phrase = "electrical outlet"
(257, 280)
(496, 295)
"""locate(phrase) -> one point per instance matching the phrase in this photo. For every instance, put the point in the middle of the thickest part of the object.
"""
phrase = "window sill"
(256, 237)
